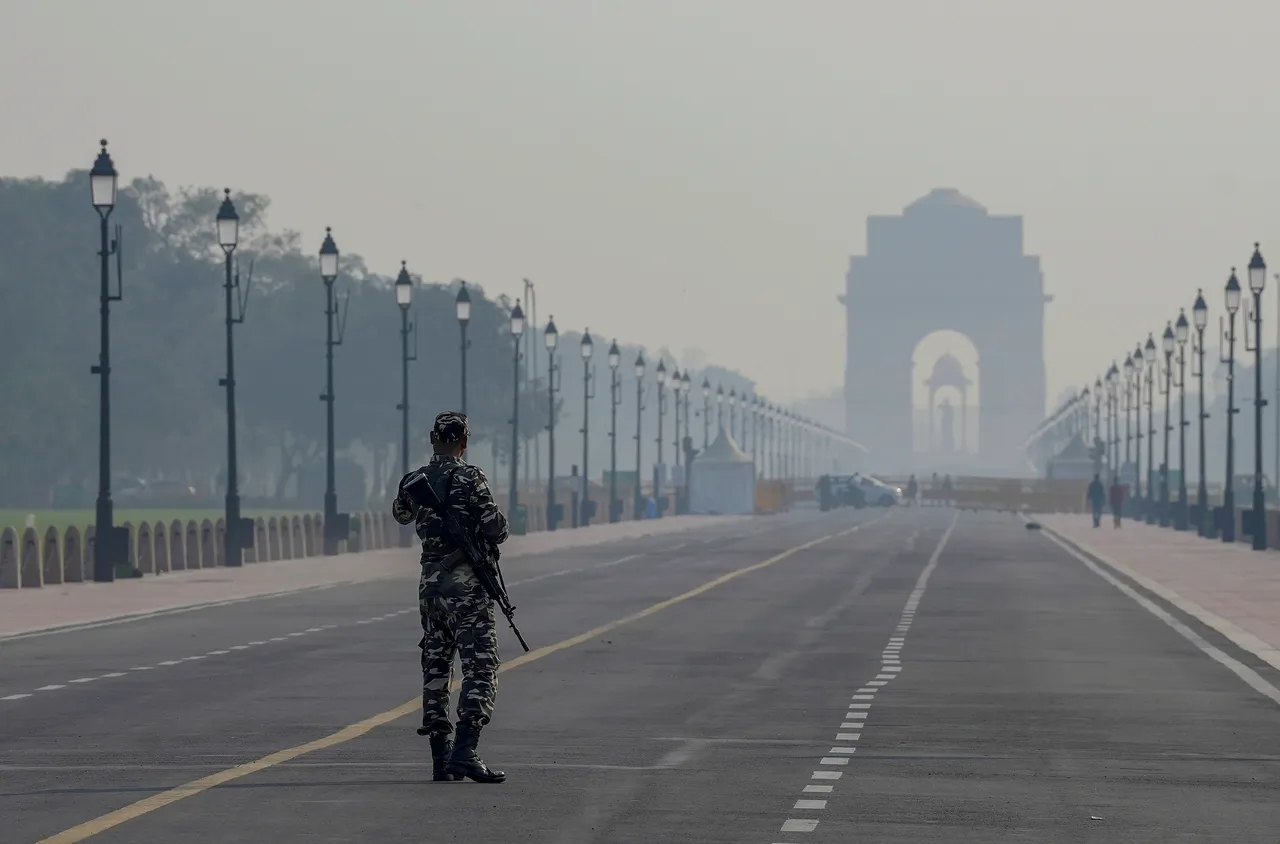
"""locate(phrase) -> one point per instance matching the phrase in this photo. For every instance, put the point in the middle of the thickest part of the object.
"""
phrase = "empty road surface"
(880, 676)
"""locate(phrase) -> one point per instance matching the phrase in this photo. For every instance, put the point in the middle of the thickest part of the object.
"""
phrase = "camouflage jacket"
(467, 492)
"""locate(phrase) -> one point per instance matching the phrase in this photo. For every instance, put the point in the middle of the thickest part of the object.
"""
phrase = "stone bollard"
(52, 557)
(192, 555)
(220, 541)
(208, 551)
(72, 556)
(160, 537)
(10, 577)
(273, 537)
(31, 574)
(177, 547)
(298, 546)
(146, 550)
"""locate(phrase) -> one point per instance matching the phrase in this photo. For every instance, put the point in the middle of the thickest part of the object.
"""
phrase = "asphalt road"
(791, 679)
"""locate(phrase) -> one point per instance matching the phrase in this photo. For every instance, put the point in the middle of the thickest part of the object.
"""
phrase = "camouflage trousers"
(465, 626)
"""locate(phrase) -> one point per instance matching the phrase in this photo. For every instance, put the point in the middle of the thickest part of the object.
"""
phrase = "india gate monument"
(948, 272)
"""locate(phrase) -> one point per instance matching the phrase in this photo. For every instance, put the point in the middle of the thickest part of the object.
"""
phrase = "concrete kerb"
(126, 601)
(1232, 632)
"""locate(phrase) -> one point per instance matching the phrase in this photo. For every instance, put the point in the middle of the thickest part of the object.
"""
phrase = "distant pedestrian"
(913, 490)
(1097, 499)
(1117, 499)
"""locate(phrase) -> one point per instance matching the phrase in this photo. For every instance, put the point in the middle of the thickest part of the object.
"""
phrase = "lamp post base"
(1259, 531)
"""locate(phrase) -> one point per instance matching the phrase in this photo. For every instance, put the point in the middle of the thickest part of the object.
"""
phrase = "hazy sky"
(691, 172)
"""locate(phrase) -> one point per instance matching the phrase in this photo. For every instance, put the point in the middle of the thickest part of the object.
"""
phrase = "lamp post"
(684, 390)
(706, 413)
(111, 544)
(1113, 426)
(1099, 447)
(1127, 388)
(238, 533)
(638, 502)
(720, 406)
(404, 298)
(1149, 355)
(733, 413)
(1257, 283)
(462, 306)
(551, 339)
(1167, 343)
(1200, 316)
(1181, 330)
(1232, 293)
(588, 376)
(1136, 357)
(517, 331)
(337, 526)
(661, 374)
(615, 399)
(676, 385)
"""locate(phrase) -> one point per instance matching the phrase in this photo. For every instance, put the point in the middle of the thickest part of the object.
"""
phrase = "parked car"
(877, 493)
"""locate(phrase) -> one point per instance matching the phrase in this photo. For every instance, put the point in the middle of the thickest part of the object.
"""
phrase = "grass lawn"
(62, 519)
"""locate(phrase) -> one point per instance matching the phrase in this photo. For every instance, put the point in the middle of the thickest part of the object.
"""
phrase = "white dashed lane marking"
(857, 712)
(232, 649)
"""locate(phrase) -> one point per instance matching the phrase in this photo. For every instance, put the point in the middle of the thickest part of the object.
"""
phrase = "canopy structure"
(1073, 462)
(722, 479)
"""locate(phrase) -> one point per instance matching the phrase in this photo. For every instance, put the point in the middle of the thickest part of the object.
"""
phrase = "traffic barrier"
(52, 557)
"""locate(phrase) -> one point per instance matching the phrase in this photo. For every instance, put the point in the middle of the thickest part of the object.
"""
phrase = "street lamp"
(1138, 362)
(404, 299)
(462, 305)
(517, 330)
(1181, 331)
(1167, 344)
(706, 412)
(615, 399)
(1149, 355)
(551, 339)
(1232, 295)
(337, 526)
(239, 532)
(1127, 401)
(1257, 282)
(677, 384)
(1200, 316)
(111, 543)
(640, 367)
(1113, 427)
(658, 487)
(587, 348)
(720, 406)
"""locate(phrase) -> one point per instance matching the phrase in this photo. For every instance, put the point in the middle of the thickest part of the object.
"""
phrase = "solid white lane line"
(1244, 672)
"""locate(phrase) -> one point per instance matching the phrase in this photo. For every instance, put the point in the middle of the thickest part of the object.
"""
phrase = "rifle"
(485, 565)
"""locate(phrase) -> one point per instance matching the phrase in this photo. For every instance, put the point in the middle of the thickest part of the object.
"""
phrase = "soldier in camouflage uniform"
(457, 615)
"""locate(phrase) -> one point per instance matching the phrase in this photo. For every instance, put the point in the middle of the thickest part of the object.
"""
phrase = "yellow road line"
(147, 805)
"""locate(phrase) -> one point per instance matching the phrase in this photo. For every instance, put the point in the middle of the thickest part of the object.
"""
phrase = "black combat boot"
(465, 763)
(441, 751)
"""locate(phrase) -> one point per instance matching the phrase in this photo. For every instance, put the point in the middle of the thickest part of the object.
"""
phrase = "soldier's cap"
(451, 427)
